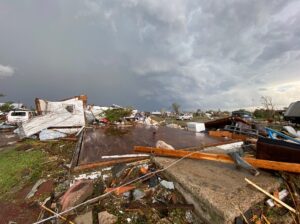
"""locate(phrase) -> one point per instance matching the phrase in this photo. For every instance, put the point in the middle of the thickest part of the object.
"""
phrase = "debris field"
(89, 164)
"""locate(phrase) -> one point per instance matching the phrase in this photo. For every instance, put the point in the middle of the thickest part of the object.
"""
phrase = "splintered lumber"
(181, 153)
(54, 213)
(227, 134)
(108, 163)
(124, 156)
(210, 145)
(160, 206)
(259, 163)
(271, 196)
(72, 139)
(120, 190)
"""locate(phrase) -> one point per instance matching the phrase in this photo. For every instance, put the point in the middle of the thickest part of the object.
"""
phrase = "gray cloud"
(150, 53)
(6, 71)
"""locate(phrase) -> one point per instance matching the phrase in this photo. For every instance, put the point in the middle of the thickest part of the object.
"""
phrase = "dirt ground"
(7, 138)
(17, 210)
(13, 205)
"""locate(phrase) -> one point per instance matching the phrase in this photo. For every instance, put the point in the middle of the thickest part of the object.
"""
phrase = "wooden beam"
(210, 145)
(159, 206)
(259, 163)
(108, 163)
(181, 153)
(69, 139)
(220, 134)
(227, 134)
(271, 196)
(75, 157)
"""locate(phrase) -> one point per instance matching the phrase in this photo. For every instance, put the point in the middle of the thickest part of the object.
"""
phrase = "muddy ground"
(7, 138)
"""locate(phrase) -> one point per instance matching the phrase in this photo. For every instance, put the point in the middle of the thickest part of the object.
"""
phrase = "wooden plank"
(210, 145)
(159, 206)
(239, 136)
(223, 134)
(181, 153)
(65, 127)
(271, 196)
(227, 134)
(75, 157)
(274, 165)
(265, 164)
(69, 139)
(108, 163)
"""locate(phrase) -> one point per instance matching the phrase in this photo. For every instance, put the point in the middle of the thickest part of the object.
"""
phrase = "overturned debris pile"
(128, 193)
(131, 189)
(62, 117)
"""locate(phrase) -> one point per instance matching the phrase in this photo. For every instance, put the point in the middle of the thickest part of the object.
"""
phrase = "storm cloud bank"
(148, 53)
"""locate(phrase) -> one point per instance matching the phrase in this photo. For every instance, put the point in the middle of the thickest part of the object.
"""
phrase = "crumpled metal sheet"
(69, 113)
(50, 135)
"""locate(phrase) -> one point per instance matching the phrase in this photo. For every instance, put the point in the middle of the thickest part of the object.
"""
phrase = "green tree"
(176, 108)
(6, 107)
(198, 113)
(117, 114)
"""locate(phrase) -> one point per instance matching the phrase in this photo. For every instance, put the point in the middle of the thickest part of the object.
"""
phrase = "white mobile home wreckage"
(66, 116)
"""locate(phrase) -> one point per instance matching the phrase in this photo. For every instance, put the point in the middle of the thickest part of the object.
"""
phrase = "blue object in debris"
(271, 133)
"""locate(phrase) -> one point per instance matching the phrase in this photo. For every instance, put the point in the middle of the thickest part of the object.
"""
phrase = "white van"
(18, 116)
(184, 117)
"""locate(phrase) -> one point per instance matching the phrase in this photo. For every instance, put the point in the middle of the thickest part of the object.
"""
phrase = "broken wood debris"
(265, 164)
(228, 134)
(271, 196)
(120, 190)
(156, 199)
(124, 156)
(54, 213)
(108, 163)
(282, 194)
(162, 206)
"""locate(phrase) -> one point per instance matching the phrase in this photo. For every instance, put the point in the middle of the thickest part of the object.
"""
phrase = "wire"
(92, 200)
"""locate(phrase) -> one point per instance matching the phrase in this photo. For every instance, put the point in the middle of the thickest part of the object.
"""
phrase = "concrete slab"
(216, 189)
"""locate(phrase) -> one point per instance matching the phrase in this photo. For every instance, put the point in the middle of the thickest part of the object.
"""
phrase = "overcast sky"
(149, 54)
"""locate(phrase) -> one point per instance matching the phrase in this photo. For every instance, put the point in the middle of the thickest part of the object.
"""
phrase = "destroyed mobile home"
(128, 168)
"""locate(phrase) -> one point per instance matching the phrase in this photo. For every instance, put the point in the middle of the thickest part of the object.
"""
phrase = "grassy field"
(18, 168)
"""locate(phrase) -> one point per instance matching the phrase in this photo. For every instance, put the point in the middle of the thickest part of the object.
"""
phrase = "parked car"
(18, 116)
(246, 115)
(185, 117)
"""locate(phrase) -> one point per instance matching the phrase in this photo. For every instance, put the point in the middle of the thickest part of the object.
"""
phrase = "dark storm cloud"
(148, 53)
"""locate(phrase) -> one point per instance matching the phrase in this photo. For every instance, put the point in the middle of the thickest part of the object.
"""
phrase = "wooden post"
(259, 163)
(271, 196)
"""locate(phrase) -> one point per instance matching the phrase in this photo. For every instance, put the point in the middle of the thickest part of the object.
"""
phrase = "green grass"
(18, 168)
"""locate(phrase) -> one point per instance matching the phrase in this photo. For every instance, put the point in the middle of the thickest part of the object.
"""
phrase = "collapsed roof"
(69, 113)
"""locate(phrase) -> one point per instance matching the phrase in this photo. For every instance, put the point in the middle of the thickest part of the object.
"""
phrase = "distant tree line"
(6, 107)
